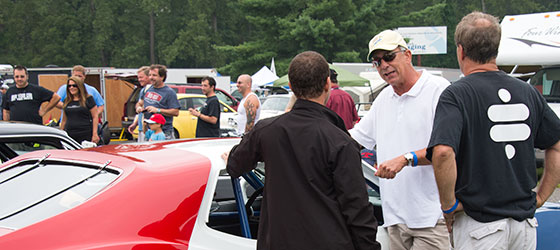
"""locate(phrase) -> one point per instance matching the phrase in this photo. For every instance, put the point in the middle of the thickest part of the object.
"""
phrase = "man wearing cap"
(341, 103)
(399, 123)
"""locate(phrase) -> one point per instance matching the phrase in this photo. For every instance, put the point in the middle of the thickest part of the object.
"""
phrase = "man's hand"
(95, 138)
(152, 109)
(540, 201)
(139, 110)
(225, 156)
(131, 128)
(42, 112)
(450, 217)
(194, 112)
(389, 169)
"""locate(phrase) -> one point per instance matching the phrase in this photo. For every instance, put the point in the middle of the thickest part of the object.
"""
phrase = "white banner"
(425, 40)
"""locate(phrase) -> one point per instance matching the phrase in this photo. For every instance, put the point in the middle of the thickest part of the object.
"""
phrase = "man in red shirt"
(341, 103)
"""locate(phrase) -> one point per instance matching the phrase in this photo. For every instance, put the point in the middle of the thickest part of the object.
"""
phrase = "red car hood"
(153, 204)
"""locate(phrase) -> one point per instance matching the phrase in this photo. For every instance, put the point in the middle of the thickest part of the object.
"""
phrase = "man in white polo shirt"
(400, 123)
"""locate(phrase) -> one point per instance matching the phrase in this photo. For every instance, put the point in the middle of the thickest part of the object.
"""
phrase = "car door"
(185, 123)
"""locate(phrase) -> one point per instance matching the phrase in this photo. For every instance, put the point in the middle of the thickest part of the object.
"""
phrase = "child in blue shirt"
(155, 133)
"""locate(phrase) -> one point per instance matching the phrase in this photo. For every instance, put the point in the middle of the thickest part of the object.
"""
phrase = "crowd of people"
(446, 178)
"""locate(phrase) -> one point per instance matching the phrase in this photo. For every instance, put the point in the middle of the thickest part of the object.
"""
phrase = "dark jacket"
(314, 195)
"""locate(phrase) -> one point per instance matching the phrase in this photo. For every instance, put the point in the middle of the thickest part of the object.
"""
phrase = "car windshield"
(275, 103)
(547, 81)
(32, 191)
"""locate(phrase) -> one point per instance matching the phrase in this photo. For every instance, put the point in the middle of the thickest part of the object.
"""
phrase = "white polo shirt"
(397, 125)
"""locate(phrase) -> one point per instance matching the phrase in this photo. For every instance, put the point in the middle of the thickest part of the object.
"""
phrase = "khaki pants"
(404, 238)
(501, 234)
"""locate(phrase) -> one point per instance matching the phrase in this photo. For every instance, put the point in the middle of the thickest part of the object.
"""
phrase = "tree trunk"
(152, 39)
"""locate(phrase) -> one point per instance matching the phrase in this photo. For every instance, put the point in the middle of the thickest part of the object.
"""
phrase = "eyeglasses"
(388, 57)
(72, 86)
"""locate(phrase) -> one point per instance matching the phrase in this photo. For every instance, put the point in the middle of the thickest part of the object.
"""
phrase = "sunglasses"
(388, 57)
(72, 86)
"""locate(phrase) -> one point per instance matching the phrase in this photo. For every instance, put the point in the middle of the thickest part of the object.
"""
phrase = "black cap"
(333, 76)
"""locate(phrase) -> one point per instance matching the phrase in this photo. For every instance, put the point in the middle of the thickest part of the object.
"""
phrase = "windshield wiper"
(29, 169)
(58, 192)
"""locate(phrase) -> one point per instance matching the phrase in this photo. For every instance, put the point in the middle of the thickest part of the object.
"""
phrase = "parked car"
(184, 125)
(163, 195)
(129, 110)
(274, 105)
(17, 138)
(222, 95)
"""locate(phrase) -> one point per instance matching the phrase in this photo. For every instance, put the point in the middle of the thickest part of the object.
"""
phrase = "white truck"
(531, 42)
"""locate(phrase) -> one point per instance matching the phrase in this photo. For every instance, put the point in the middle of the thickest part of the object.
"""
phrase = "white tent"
(263, 77)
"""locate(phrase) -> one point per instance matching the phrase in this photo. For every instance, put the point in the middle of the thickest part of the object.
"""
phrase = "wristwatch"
(409, 157)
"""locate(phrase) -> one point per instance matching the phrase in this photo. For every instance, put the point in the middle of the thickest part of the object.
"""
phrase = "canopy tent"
(345, 78)
(263, 77)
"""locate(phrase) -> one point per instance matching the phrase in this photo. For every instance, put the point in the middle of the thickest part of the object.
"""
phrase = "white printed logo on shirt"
(153, 96)
(507, 113)
(22, 97)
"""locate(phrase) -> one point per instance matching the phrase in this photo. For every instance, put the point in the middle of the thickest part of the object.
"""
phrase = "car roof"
(155, 178)
(189, 95)
(23, 128)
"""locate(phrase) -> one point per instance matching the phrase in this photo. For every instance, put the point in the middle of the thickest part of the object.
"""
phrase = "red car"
(165, 195)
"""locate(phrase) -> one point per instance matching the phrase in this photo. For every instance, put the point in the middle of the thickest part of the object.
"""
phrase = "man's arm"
(551, 174)
(94, 135)
(445, 171)
(139, 106)
(100, 110)
(352, 197)
(206, 118)
(389, 169)
(62, 93)
(52, 103)
(251, 106)
(243, 157)
(6, 114)
(167, 112)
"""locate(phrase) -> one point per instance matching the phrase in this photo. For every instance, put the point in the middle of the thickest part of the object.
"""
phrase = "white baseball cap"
(386, 40)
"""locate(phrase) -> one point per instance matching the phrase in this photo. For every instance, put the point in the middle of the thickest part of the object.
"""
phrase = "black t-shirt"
(493, 122)
(24, 103)
(211, 108)
(78, 118)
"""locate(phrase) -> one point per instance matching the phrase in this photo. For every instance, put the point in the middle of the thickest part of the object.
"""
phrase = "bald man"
(249, 108)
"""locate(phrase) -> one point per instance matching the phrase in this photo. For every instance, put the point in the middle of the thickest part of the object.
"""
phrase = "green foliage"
(235, 36)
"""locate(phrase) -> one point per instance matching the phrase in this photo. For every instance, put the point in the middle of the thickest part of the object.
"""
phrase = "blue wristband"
(415, 159)
(452, 208)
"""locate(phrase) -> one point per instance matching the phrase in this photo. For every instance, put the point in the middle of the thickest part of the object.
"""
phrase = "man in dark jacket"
(314, 195)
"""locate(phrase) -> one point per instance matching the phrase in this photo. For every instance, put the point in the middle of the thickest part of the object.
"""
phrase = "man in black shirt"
(314, 195)
(23, 103)
(485, 130)
(208, 124)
